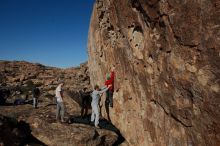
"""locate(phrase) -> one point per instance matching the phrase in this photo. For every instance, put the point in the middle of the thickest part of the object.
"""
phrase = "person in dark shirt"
(36, 94)
(85, 98)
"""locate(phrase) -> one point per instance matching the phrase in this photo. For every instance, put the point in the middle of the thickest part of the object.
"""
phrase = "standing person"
(110, 91)
(95, 102)
(36, 94)
(85, 98)
(60, 106)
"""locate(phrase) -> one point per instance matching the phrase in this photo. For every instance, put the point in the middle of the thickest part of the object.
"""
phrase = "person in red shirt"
(110, 91)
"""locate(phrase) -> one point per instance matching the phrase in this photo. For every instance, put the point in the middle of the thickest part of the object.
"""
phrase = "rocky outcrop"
(38, 126)
(20, 77)
(167, 59)
(14, 133)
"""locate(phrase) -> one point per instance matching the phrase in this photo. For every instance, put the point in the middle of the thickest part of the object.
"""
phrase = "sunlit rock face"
(167, 58)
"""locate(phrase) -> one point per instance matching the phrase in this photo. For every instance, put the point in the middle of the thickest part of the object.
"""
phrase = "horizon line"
(46, 65)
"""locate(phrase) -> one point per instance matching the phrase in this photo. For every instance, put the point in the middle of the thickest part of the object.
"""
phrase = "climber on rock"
(110, 91)
(96, 94)
(60, 106)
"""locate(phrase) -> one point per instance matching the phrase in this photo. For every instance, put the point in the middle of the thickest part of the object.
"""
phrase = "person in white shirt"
(60, 106)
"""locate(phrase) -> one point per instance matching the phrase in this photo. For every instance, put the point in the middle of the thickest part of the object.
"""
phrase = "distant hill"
(20, 77)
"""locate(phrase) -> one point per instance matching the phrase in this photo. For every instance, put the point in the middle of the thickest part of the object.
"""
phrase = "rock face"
(167, 59)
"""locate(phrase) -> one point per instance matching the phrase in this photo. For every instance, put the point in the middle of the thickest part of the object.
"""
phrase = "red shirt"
(111, 81)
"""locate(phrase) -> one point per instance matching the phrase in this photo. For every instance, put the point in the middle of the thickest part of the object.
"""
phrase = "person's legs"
(110, 98)
(58, 111)
(86, 111)
(107, 111)
(62, 111)
(107, 98)
(82, 106)
(93, 114)
(82, 111)
(86, 107)
(34, 102)
(96, 111)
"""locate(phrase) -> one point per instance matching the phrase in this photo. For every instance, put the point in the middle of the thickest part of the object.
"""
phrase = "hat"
(96, 87)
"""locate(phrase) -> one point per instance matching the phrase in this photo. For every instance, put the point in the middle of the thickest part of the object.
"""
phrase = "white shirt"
(58, 94)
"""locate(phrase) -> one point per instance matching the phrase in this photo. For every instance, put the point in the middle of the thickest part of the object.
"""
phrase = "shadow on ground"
(14, 133)
(103, 123)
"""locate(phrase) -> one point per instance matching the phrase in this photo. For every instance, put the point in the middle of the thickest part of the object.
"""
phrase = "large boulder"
(167, 59)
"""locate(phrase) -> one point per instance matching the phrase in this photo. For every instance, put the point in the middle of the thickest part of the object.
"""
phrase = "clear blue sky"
(50, 32)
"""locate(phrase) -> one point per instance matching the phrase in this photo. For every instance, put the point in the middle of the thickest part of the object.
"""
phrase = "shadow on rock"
(103, 123)
(14, 133)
